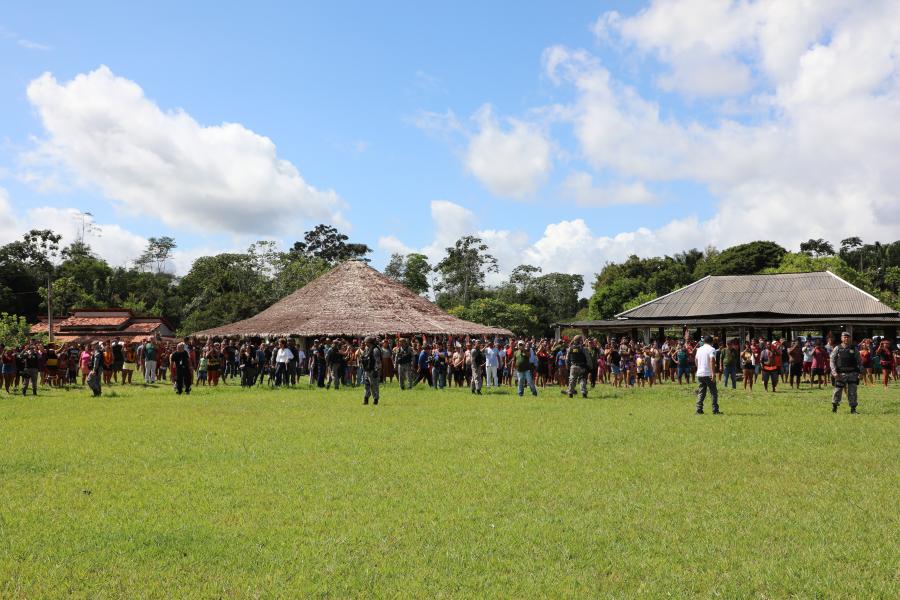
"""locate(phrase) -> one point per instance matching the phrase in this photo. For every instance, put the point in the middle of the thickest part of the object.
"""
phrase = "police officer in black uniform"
(845, 370)
(577, 361)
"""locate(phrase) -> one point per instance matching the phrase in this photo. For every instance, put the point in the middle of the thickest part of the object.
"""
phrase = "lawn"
(264, 493)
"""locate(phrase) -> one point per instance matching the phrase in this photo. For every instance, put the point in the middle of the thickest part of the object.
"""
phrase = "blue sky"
(567, 135)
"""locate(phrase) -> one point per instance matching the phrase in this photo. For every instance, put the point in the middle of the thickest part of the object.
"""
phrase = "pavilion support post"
(849, 329)
(698, 335)
(634, 333)
(558, 332)
(891, 334)
(752, 333)
(743, 336)
(769, 333)
(723, 335)
(661, 335)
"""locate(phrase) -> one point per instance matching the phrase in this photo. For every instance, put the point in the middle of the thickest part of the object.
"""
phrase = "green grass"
(233, 493)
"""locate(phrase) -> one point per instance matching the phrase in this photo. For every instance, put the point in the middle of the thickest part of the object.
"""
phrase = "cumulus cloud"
(108, 135)
(511, 162)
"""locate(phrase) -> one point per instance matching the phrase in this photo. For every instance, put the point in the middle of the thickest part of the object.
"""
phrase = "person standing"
(149, 362)
(404, 357)
(439, 362)
(706, 368)
(477, 358)
(886, 359)
(730, 364)
(491, 364)
(334, 362)
(282, 360)
(522, 363)
(577, 361)
(795, 356)
(181, 363)
(31, 369)
(845, 369)
(770, 357)
(95, 377)
(371, 362)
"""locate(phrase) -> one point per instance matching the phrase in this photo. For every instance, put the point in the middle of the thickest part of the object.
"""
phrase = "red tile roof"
(94, 322)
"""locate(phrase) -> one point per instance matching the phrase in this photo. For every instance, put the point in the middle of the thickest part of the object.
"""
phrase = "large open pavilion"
(745, 306)
(351, 300)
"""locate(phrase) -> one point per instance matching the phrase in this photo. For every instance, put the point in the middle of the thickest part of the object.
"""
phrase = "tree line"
(227, 287)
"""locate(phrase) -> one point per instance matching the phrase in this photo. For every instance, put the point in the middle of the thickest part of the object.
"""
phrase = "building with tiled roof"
(87, 324)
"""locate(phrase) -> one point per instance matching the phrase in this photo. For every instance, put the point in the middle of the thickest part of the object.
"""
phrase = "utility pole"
(50, 306)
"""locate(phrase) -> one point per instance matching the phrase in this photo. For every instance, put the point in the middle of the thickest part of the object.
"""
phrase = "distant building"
(88, 324)
(779, 305)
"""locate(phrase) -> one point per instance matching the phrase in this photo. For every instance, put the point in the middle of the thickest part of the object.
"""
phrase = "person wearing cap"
(706, 370)
(371, 363)
(403, 357)
(845, 370)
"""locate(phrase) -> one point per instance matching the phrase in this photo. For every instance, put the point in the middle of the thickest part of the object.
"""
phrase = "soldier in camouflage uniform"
(371, 363)
(845, 370)
(577, 361)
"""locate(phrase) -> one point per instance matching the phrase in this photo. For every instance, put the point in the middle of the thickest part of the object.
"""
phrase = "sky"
(565, 135)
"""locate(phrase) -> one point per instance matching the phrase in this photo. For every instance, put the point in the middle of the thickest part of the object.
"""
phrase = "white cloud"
(823, 150)
(511, 162)
(164, 164)
(580, 187)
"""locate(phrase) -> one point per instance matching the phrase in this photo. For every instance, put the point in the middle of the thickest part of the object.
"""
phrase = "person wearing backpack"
(522, 363)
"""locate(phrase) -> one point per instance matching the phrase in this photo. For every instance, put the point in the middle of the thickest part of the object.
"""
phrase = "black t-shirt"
(181, 360)
(614, 357)
(117, 352)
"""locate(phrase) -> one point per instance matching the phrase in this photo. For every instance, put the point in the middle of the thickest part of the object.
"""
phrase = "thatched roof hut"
(353, 299)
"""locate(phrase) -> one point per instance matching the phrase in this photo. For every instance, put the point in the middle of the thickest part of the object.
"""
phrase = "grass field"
(233, 493)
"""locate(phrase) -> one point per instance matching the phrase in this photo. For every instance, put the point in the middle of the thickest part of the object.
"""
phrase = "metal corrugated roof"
(785, 294)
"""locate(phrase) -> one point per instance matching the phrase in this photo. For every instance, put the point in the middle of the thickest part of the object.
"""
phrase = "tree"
(848, 245)
(25, 267)
(744, 259)
(411, 270)
(609, 300)
(518, 318)
(464, 268)
(329, 244)
(159, 250)
(14, 330)
(817, 247)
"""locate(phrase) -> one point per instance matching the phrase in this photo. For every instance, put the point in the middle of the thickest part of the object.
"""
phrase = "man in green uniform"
(371, 363)
(845, 369)
(577, 361)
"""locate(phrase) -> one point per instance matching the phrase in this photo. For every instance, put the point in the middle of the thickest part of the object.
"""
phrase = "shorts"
(615, 369)
(773, 375)
(796, 370)
(117, 365)
(9, 369)
(818, 371)
(648, 373)
(201, 375)
(686, 371)
(807, 367)
(747, 366)
(128, 366)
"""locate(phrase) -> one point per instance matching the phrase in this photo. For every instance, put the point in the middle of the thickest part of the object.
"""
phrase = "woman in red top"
(884, 355)
(865, 357)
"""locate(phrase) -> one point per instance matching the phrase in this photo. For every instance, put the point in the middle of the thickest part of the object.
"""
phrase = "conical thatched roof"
(353, 299)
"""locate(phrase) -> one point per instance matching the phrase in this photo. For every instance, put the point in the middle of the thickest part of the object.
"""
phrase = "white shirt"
(284, 355)
(490, 357)
(704, 354)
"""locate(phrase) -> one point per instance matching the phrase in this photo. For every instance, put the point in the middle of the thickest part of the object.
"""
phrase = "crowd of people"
(441, 362)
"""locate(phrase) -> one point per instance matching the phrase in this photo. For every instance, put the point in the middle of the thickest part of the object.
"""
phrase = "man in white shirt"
(706, 370)
(492, 361)
(282, 358)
